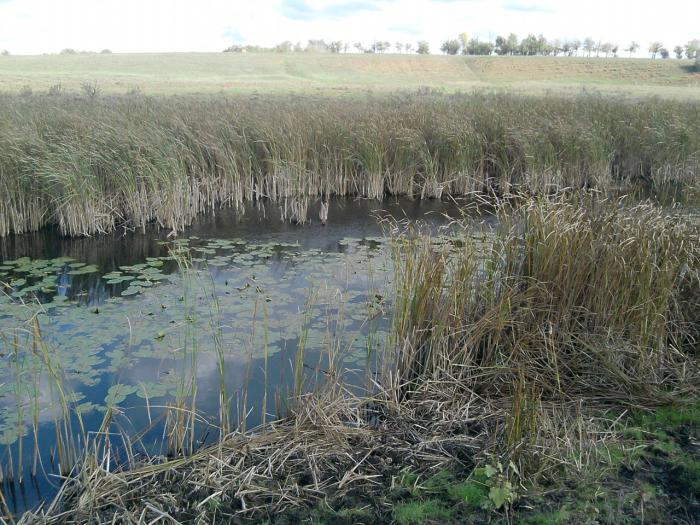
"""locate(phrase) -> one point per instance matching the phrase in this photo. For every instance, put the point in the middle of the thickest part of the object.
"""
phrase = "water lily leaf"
(118, 393)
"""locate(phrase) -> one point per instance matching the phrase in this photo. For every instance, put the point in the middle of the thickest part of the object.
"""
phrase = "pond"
(132, 334)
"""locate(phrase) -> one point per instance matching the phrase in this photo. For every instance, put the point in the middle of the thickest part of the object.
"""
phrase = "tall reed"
(91, 165)
(575, 297)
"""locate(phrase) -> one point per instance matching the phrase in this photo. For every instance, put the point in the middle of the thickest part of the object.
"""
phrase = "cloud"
(302, 10)
(526, 7)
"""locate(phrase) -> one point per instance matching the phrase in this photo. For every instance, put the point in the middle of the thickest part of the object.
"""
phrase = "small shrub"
(55, 90)
(90, 89)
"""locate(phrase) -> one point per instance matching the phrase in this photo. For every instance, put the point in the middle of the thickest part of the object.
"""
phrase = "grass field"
(214, 72)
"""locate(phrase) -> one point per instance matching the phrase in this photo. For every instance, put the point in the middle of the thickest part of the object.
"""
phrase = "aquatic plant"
(514, 355)
(91, 165)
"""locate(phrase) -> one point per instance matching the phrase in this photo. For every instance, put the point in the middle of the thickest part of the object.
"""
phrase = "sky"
(47, 26)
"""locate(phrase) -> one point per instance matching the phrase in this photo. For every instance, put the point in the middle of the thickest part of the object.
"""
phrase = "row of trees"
(531, 45)
(539, 45)
(336, 46)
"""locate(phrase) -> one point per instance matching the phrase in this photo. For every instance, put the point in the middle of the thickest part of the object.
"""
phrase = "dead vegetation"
(521, 349)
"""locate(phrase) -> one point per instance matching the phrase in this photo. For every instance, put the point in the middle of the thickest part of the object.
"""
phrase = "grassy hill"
(173, 73)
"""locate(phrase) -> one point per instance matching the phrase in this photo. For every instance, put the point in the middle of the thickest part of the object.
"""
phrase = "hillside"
(213, 72)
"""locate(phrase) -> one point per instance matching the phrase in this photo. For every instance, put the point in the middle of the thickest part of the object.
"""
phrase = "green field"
(327, 73)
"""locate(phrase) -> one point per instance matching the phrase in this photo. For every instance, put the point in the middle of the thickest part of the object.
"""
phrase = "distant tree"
(380, 47)
(513, 43)
(696, 65)
(408, 47)
(463, 41)
(502, 46)
(474, 47)
(607, 49)
(399, 47)
(234, 49)
(692, 49)
(598, 48)
(655, 48)
(360, 48)
(284, 47)
(664, 53)
(615, 49)
(5, 53)
(530, 45)
(678, 51)
(633, 47)
(317, 46)
(298, 48)
(450, 47)
(423, 48)
(589, 45)
(336, 46)
(68, 51)
(575, 46)
(106, 52)
(555, 47)
(542, 45)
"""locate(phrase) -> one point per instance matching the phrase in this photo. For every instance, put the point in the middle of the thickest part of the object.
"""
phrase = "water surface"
(132, 323)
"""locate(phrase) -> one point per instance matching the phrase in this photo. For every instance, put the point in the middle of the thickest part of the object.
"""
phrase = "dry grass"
(92, 165)
(526, 343)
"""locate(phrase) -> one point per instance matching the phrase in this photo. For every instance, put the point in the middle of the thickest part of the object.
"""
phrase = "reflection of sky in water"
(132, 341)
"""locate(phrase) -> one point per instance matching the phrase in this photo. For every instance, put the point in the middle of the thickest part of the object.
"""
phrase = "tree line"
(531, 45)
(336, 46)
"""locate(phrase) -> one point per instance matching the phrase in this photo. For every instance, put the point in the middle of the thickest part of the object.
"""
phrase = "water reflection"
(122, 325)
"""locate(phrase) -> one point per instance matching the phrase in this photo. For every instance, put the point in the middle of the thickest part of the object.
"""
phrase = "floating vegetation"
(133, 342)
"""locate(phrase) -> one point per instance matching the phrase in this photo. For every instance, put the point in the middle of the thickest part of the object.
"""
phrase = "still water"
(130, 325)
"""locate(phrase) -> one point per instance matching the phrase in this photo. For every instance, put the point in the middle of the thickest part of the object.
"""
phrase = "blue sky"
(45, 26)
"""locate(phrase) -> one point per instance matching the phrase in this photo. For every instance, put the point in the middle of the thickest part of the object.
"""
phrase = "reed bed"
(526, 342)
(574, 297)
(95, 164)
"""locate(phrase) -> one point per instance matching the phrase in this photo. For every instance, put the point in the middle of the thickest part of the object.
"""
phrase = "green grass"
(177, 73)
(421, 512)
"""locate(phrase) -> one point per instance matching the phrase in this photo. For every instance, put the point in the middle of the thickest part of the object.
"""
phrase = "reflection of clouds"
(36, 389)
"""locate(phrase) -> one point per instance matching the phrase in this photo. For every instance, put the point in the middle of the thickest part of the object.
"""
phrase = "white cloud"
(39, 26)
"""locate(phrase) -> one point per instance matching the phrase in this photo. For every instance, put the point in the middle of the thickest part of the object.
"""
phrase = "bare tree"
(399, 47)
(589, 45)
(655, 48)
(633, 47)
